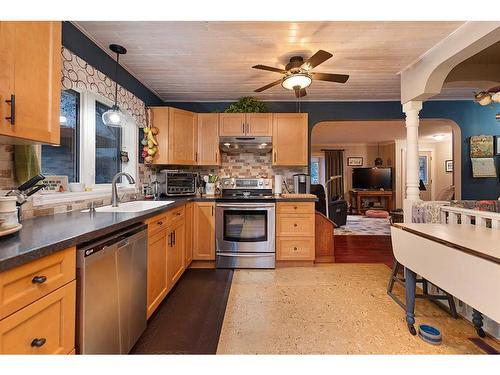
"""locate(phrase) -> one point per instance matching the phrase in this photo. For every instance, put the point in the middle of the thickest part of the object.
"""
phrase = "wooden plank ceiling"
(204, 61)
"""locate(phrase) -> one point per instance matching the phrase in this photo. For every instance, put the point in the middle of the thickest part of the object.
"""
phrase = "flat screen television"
(372, 178)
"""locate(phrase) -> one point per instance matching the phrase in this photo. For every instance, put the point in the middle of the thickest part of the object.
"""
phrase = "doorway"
(425, 161)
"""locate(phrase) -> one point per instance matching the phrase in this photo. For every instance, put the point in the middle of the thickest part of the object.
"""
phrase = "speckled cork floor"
(330, 309)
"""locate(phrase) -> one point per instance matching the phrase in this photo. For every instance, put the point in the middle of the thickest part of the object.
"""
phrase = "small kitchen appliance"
(245, 224)
(301, 183)
(175, 183)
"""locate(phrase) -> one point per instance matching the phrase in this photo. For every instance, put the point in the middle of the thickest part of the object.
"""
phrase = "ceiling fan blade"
(269, 68)
(318, 58)
(340, 78)
(299, 93)
(260, 89)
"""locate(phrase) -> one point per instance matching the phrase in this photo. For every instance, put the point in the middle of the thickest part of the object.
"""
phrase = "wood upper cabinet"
(245, 124)
(204, 231)
(208, 139)
(177, 137)
(175, 252)
(30, 73)
(188, 251)
(290, 139)
(157, 270)
(231, 124)
(259, 124)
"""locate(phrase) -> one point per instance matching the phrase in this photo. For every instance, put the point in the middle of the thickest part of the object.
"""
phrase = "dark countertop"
(45, 235)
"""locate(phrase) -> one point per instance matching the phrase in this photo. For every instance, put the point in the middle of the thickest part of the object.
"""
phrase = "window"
(315, 172)
(90, 150)
(63, 160)
(108, 143)
(422, 168)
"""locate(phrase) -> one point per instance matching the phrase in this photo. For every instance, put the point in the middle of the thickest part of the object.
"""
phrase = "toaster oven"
(174, 183)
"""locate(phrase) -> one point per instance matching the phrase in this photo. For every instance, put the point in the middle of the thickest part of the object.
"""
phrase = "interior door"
(424, 174)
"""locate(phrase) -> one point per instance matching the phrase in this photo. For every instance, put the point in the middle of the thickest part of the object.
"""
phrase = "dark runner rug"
(189, 320)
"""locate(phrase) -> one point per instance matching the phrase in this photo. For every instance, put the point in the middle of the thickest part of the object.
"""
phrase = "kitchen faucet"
(114, 192)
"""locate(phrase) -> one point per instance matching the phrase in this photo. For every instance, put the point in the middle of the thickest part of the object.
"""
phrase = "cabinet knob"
(295, 224)
(37, 343)
(294, 207)
(39, 279)
(159, 222)
(295, 248)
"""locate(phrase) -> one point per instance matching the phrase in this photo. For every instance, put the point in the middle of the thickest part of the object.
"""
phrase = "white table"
(464, 260)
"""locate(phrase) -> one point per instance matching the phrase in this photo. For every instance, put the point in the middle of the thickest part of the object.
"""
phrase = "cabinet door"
(188, 253)
(7, 32)
(159, 119)
(47, 326)
(208, 139)
(204, 231)
(175, 253)
(232, 124)
(157, 270)
(259, 124)
(182, 137)
(35, 50)
(290, 139)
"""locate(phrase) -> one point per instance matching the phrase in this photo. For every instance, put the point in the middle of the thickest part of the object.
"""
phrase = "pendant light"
(114, 117)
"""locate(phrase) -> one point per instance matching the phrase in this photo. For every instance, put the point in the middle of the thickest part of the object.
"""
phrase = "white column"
(411, 110)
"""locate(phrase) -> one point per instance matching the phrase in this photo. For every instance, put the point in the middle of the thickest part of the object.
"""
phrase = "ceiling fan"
(298, 75)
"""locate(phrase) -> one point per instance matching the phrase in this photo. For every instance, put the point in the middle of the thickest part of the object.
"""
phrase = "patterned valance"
(77, 73)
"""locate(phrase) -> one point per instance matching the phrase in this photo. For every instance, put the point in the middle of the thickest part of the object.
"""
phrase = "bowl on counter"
(8, 204)
(76, 187)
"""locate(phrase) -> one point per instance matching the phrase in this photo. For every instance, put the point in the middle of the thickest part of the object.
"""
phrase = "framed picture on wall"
(355, 161)
(448, 166)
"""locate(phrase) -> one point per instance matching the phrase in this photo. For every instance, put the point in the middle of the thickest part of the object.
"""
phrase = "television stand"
(383, 196)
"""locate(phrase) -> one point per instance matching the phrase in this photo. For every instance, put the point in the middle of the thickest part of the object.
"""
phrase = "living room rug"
(364, 226)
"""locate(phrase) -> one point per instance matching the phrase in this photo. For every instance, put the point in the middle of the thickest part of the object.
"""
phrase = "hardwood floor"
(363, 249)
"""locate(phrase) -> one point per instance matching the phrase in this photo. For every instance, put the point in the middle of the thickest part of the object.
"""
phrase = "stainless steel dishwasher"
(111, 299)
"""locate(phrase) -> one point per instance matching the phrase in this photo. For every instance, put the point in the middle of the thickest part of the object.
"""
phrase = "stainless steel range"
(245, 224)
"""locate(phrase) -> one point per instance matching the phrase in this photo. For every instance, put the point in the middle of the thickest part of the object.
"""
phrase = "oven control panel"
(246, 183)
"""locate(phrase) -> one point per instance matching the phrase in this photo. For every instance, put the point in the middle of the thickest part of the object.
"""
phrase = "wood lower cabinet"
(208, 139)
(157, 270)
(295, 231)
(175, 252)
(37, 306)
(30, 73)
(166, 254)
(290, 139)
(177, 137)
(204, 231)
(46, 326)
(188, 253)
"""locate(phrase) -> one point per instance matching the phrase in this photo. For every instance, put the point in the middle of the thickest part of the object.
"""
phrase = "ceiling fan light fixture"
(302, 80)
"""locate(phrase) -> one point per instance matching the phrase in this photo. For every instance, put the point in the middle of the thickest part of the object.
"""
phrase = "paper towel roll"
(278, 184)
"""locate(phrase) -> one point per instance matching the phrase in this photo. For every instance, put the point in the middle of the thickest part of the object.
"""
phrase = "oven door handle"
(260, 255)
(245, 205)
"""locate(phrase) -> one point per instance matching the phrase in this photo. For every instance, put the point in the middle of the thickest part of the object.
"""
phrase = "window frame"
(87, 141)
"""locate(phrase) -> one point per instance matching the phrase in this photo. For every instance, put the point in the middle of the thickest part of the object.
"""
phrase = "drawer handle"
(39, 279)
(37, 343)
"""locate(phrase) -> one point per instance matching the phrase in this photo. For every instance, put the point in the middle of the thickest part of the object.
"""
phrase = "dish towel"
(25, 163)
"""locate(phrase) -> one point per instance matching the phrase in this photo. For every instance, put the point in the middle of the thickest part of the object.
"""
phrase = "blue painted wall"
(78, 43)
(471, 117)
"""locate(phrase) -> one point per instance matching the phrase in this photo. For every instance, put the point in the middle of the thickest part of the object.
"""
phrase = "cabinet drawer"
(295, 207)
(50, 320)
(24, 284)
(175, 214)
(295, 225)
(157, 223)
(295, 248)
